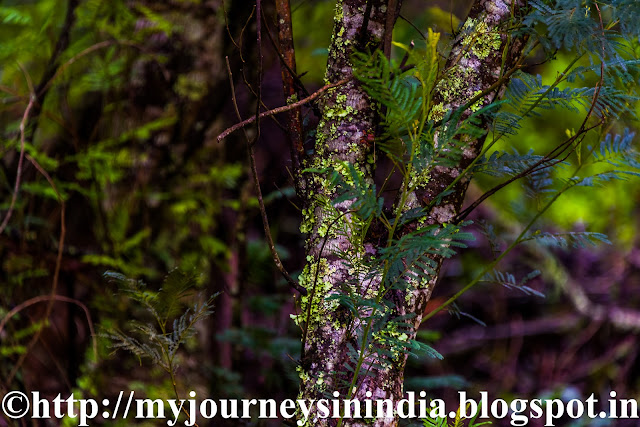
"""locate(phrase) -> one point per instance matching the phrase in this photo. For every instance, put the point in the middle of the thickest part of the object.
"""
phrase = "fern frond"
(600, 179)
(567, 239)
(137, 348)
(153, 340)
(627, 13)
(351, 185)
(455, 310)
(503, 164)
(400, 93)
(568, 24)
(14, 16)
(539, 183)
(412, 255)
(175, 287)
(526, 95)
(618, 151)
(508, 280)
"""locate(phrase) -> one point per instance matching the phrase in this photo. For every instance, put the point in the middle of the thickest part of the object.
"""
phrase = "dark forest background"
(109, 113)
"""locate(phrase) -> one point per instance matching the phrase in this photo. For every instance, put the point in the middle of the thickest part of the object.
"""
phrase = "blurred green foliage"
(611, 211)
(125, 135)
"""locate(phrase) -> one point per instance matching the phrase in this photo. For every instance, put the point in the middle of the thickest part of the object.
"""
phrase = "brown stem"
(16, 187)
(393, 9)
(288, 71)
(263, 212)
(36, 300)
(56, 274)
(282, 109)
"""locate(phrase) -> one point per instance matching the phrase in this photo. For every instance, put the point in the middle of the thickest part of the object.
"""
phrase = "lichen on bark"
(348, 117)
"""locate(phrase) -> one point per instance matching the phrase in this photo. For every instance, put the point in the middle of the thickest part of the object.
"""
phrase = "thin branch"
(362, 35)
(56, 274)
(283, 60)
(36, 99)
(36, 300)
(259, 85)
(413, 26)
(289, 81)
(393, 8)
(16, 187)
(282, 109)
(51, 68)
(60, 47)
(254, 171)
(30, 119)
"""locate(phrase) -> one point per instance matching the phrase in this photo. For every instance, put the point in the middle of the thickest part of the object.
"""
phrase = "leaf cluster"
(173, 325)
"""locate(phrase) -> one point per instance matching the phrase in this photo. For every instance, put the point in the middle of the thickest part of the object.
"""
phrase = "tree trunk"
(333, 337)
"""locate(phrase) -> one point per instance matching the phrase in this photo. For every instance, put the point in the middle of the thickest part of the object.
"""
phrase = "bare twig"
(254, 172)
(289, 76)
(36, 99)
(285, 62)
(259, 84)
(362, 35)
(16, 187)
(418, 30)
(30, 120)
(282, 109)
(56, 274)
(36, 300)
(393, 8)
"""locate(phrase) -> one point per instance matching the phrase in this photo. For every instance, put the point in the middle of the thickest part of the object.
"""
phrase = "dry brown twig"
(282, 109)
(23, 124)
(272, 248)
(56, 275)
(36, 300)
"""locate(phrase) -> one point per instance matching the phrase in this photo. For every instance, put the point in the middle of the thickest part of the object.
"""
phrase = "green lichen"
(302, 374)
(478, 104)
(308, 221)
(420, 179)
(437, 112)
(314, 306)
(480, 41)
(452, 85)
(339, 15)
(339, 109)
(292, 99)
(389, 337)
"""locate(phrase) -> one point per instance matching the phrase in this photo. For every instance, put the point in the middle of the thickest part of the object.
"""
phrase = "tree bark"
(348, 115)
(330, 332)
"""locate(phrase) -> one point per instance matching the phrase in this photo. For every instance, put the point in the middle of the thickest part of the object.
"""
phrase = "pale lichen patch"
(444, 214)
